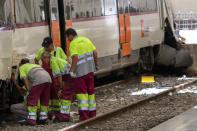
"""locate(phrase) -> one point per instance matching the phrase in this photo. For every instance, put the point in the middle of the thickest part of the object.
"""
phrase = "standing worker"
(62, 95)
(84, 59)
(40, 81)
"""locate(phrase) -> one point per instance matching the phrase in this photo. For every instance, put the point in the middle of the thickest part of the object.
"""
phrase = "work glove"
(73, 75)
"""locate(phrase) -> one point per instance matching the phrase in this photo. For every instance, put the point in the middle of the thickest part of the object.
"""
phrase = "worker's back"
(83, 48)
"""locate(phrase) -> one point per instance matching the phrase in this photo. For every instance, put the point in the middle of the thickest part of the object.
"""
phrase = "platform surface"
(186, 121)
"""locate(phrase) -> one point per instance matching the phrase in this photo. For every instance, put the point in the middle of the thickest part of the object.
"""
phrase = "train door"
(68, 8)
(124, 26)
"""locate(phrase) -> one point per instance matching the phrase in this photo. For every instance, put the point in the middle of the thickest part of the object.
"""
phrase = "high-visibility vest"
(57, 52)
(83, 48)
(25, 69)
(59, 66)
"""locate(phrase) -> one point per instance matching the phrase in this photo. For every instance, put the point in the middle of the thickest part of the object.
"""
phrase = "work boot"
(42, 122)
(57, 120)
(25, 123)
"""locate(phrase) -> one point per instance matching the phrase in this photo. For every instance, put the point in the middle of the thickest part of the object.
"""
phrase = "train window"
(143, 5)
(152, 5)
(74, 8)
(54, 10)
(29, 11)
(67, 9)
(134, 6)
(98, 7)
(85, 8)
(78, 9)
(126, 6)
(120, 6)
(5, 13)
(89, 8)
(110, 7)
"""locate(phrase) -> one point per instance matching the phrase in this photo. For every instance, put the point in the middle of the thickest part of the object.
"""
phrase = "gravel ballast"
(149, 115)
(107, 100)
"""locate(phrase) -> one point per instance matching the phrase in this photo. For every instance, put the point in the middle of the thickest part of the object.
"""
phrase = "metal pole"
(47, 9)
(62, 24)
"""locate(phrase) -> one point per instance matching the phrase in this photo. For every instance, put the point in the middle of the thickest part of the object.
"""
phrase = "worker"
(62, 94)
(47, 45)
(40, 80)
(84, 60)
(20, 109)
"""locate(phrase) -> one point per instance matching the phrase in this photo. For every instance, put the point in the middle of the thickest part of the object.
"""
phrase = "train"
(125, 33)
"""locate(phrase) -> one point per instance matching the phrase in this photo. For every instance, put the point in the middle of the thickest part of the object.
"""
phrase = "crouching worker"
(40, 80)
(62, 94)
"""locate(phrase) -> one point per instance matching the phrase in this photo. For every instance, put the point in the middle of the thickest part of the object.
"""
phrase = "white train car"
(125, 32)
(113, 26)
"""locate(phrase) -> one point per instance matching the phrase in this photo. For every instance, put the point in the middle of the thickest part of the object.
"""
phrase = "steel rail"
(112, 85)
(116, 112)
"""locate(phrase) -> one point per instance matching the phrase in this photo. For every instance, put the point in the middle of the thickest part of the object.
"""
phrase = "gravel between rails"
(149, 115)
(107, 100)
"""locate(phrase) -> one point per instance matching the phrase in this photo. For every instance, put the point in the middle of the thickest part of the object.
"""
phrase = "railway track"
(121, 110)
(103, 94)
(117, 83)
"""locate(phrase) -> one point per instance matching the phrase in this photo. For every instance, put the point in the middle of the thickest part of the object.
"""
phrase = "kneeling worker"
(40, 80)
(62, 96)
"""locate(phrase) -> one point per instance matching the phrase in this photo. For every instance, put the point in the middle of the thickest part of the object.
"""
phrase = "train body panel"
(5, 53)
(145, 30)
(103, 30)
(15, 44)
(27, 41)
(104, 33)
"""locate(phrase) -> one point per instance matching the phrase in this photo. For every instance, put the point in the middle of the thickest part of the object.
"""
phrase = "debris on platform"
(192, 89)
(150, 91)
(189, 35)
(111, 100)
(184, 77)
(72, 113)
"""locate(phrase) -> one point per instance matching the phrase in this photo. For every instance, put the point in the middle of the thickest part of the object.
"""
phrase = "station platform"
(186, 121)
